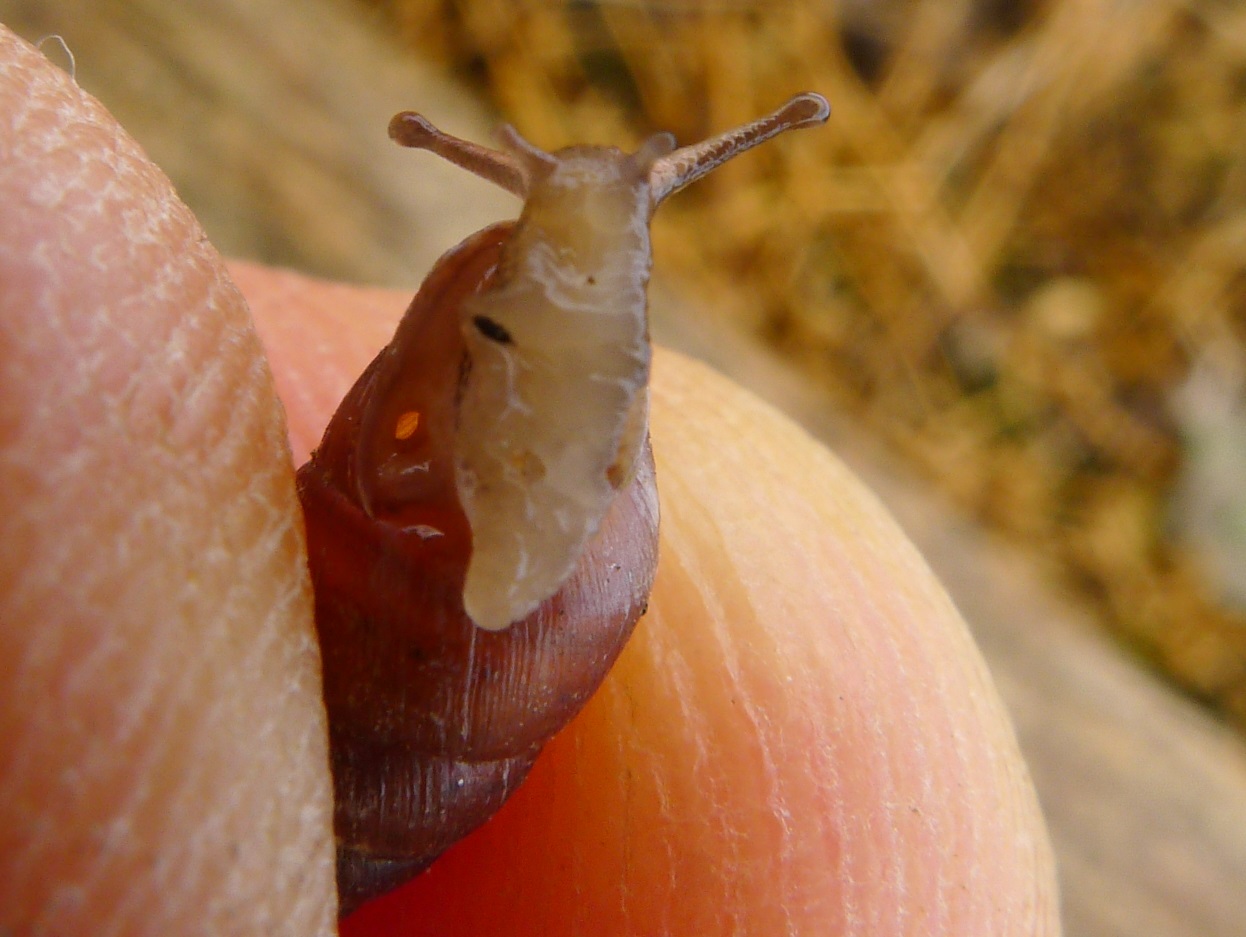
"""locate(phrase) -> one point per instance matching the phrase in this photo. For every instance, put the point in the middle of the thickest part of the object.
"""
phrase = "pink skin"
(801, 737)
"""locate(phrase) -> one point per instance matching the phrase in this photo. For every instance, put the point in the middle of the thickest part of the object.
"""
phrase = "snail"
(481, 512)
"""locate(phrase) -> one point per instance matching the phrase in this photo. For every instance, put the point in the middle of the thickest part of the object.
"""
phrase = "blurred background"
(1007, 284)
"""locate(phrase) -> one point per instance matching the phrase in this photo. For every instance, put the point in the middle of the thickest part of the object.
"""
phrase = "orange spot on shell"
(407, 424)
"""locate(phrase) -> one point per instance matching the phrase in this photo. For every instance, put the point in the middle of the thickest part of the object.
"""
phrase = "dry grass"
(1023, 232)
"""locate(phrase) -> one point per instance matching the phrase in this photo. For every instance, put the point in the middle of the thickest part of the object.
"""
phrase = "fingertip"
(164, 766)
(871, 722)
(801, 737)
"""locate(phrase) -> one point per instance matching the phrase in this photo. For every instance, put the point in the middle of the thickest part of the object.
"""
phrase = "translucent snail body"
(481, 513)
(562, 331)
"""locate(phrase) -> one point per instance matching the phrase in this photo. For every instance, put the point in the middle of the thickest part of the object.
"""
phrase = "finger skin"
(163, 763)
(801, 737)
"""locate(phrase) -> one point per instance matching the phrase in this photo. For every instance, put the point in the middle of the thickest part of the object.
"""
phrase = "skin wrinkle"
(203, 402)
(631, 776)
(1011, 798)
(623, 703)
(671, 656)
(966, 838)
(743, 696)
(795, 854)
(216, 413)
(94, 886)
(711, 610)
(677, 668)
(953, 836)
(135, 718)
(920, 690)
(860, 834)
(927, 813)
(710, 524)
(939, 677)
(155, 774)
(895, 861)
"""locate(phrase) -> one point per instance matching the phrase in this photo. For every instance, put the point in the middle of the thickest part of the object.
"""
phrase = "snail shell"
(481, 512)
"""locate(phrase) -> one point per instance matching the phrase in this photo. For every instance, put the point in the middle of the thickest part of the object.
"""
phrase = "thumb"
(162, 745)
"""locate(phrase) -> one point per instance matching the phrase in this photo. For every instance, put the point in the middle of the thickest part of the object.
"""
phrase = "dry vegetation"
(1019, 252)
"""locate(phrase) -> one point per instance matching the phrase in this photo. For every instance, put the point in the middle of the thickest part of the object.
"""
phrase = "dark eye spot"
(592, 280)
(492, 330)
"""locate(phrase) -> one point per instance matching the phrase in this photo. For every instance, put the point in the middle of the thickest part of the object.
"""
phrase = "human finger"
(163, 759)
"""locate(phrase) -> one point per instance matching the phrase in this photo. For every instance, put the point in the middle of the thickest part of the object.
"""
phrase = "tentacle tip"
(407, 128)
(807, 109)
(532, 158)
(652, 150)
